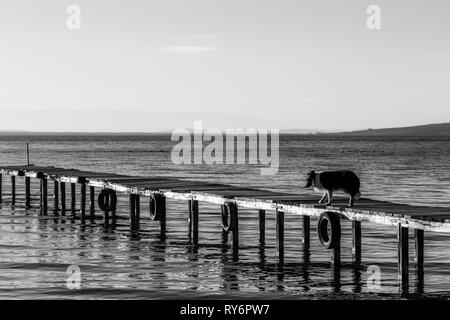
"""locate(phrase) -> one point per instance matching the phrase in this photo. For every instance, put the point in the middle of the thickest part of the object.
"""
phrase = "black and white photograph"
(224, 154)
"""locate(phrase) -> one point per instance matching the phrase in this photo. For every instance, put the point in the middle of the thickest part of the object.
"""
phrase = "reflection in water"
(305, 269)
(113, 254)
(357, 274)
(229, 275)
(419, 280)
(336, 278)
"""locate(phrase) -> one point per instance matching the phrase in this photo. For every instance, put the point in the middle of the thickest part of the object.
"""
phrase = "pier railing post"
(62, 188)
(27, 192)
(13, 190)
(73, 199)
(356, 241)
(403, 257)
(306, 221)
(279, 215)
(262, 226)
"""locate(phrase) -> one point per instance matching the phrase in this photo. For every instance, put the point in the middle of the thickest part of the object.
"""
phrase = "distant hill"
(438, 129)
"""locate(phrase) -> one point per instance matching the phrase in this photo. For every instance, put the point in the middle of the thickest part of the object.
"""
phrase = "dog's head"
(310, 179)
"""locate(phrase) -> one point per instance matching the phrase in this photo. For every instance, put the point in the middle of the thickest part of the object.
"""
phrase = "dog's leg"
(323, 197)
(330, 197)
(350, 202)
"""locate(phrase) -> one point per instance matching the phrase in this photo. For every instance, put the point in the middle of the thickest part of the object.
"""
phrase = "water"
(116, 262)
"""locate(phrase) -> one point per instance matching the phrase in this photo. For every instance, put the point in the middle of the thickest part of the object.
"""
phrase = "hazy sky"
(152, 65)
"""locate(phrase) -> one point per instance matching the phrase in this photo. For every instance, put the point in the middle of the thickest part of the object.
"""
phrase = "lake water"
(116, 262)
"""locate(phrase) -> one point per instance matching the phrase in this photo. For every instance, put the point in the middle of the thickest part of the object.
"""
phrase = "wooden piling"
(235, 231)
(162, 219)
(91, 200)
(44, 195)
(419, 248)
(27, 192)
(336, 256)
(1, 191)
(262, 226)
(137, 210)
(62, 188)
(280, 234)
(83, 200)
(73, 199)
(306, 221)
(13, 190)
(56, 196)
(403, 266)
(132, 209)
(193, 217)
(356, 240)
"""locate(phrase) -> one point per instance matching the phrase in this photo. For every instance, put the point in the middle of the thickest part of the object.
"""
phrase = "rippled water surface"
(118, 262)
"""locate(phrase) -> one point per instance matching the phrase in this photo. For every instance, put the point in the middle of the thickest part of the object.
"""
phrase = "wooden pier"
(231, 198)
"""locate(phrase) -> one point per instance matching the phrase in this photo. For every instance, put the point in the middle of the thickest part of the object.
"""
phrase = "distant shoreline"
(429, 130)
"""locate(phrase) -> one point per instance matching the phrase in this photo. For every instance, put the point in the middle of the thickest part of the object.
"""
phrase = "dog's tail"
(357, 196)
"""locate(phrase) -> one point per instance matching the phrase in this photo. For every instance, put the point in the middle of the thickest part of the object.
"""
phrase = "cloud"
(190, 49)
(204, 36)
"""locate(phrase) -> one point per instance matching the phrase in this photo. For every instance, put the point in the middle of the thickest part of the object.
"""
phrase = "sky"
(155, 65)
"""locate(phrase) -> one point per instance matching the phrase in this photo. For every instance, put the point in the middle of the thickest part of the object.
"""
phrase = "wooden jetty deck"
(230, 198)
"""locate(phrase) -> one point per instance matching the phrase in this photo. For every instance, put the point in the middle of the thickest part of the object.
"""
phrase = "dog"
(330, 181)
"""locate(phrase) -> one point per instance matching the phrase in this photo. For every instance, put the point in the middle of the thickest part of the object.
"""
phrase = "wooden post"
(83, 200)
(262, 226)
(137, 209)
(419, 248)
(56, 195)
(91, 200)
(403, 270)
(356, 240)
(280, 234)
(44, 194)
(306, 221)
(235, 231)
(193, 216)
(28, 155)
(336, 256)
(27, 192)
(73, 199)
(132, 207)
(163, 218)
(13, 190)
(1, 180)
(62, 188)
